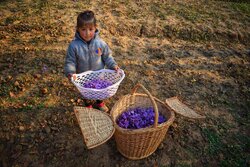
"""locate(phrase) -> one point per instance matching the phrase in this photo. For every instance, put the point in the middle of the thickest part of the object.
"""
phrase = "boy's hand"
(69, 76)
(116, 68)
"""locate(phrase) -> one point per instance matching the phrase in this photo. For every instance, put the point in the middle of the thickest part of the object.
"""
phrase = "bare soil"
(196, 50)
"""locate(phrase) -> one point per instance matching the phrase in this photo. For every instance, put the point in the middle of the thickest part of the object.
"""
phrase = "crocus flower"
(97, 84)
(137, 118)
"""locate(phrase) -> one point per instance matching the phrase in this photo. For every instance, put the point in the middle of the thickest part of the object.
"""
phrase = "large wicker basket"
(140, 143)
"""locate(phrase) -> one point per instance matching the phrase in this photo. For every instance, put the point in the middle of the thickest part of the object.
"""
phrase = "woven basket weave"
(140, 143)
(181, 108)
(96, 126)
(105, 74)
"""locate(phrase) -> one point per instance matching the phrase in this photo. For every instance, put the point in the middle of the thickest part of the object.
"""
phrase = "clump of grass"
(230, 148)
(158, 9)
(4, 90)
(26, 108)
(133, 13)
(44, 7)
(61, 6)
(188, 14)
(214, 139)
(234, 151)
(242, 7)
(188, 33)
(9, 20)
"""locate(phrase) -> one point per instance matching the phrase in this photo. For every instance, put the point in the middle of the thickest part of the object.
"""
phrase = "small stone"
(47, 129)
(240, 36)
(79, 100)
(1, 147)
(44, 90)
(54, 128)
(174, 125)
(165, 160)
(37, 76)
(42, 136)
(233, 35)
(12, 94)
(19, 147)
(161, 146)
(221, 157)
(16, 83)
(2, 79)
(21, 128)
(209, 46)
(9, 77)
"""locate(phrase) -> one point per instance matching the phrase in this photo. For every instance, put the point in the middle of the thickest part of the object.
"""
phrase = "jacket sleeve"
(107, 57)
(70, 61)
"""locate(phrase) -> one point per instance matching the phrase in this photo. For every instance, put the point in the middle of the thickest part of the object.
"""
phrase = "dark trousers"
(91, 102)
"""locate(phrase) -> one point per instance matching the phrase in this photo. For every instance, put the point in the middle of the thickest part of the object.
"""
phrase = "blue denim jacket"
(82, 57)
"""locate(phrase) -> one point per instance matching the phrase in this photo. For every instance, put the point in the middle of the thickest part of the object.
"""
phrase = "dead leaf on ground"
(12, 94)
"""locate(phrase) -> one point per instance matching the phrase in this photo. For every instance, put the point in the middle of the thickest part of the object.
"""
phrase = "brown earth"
(197, 50)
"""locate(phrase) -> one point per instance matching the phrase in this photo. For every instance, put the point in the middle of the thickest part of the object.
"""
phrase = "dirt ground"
(197, 50)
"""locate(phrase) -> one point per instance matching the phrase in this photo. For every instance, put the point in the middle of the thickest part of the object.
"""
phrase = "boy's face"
(87, 32)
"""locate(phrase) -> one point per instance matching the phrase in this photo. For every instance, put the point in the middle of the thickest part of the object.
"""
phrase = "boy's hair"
(86, 17)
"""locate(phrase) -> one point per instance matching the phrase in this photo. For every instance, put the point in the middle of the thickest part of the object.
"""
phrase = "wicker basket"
(181, 108)
(98, 94)
(96, 126)
(140, 143)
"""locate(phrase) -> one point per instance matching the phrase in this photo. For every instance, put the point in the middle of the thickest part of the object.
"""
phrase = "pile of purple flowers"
(138, 118)
(97, 84)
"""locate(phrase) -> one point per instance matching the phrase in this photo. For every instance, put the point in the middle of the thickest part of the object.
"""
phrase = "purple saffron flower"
(138, 118)
(44, 69)
(97, 84)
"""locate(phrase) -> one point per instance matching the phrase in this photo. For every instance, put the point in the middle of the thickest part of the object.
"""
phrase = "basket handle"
(152, 100)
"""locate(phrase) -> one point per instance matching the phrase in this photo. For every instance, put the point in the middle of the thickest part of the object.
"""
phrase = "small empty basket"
(105, 74)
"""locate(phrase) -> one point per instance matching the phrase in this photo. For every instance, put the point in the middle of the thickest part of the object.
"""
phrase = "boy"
(88, 52)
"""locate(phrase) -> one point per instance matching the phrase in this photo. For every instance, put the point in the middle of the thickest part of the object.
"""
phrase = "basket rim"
(146, 129)
(102, 70)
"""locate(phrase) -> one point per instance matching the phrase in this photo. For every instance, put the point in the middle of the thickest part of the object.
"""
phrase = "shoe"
(101, 106)
(90, 106)
(88, 103)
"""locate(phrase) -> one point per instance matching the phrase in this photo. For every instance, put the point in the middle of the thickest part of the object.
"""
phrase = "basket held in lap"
(140, 143)
(111, 76)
